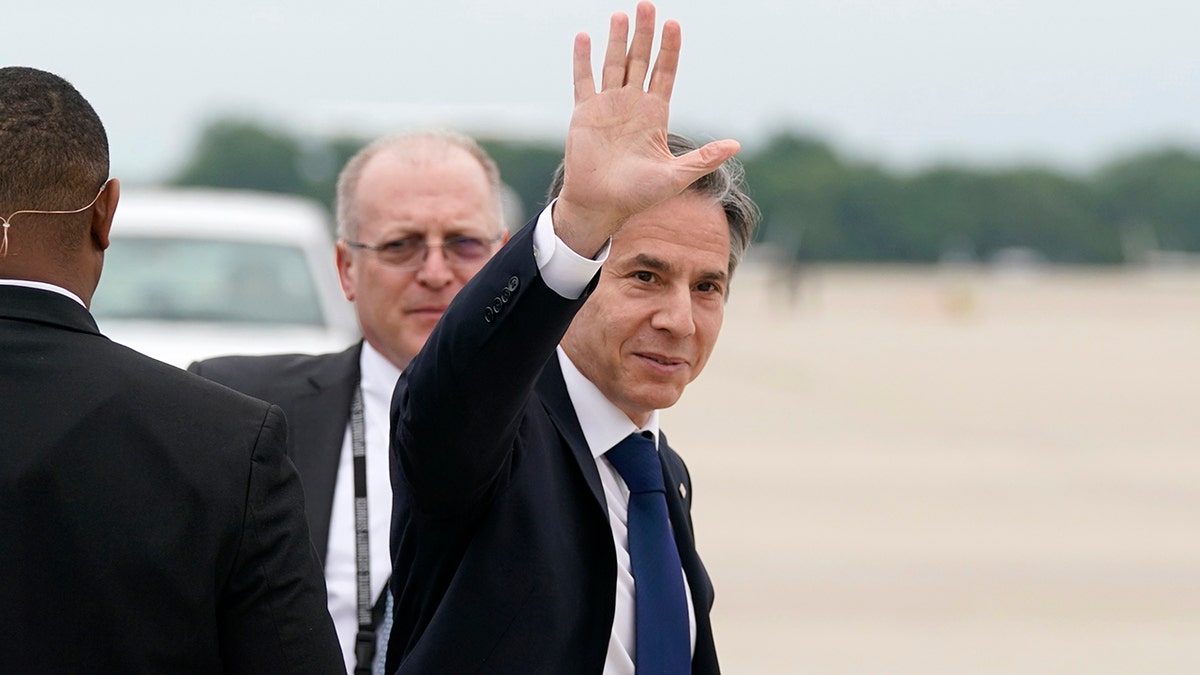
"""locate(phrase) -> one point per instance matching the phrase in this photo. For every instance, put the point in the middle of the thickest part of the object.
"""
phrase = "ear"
(344, 258)
(103, 211)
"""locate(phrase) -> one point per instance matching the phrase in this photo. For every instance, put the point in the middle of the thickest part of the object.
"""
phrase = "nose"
(434, 271)
(674, 314)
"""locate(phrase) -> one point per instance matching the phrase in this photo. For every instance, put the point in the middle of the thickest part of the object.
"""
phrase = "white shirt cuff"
(564, 271)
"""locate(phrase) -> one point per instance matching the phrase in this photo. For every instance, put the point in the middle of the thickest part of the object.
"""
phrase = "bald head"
(418, 150)
(437, 188)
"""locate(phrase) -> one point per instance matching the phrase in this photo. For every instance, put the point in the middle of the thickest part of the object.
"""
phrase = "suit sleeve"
(458, 406)
(274, 617)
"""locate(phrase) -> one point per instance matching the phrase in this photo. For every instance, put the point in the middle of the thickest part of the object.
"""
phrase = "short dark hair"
(726, 186)
(53, 148)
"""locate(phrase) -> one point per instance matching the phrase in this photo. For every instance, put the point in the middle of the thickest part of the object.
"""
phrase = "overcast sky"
(905, 82)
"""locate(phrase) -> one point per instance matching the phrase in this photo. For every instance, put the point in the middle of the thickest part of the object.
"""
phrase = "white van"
(196, 273)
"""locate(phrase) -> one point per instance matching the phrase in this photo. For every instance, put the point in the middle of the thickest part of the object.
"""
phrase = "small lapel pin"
(682, 491)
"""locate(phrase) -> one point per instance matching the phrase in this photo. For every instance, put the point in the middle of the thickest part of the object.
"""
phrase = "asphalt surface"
(923, 471)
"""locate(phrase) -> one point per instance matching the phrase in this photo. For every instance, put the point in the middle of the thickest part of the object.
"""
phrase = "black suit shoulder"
(145, 497)
(269, 377)
(165, 386)
(314, 393)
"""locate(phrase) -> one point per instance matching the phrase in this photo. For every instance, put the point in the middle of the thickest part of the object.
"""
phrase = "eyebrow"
(659, 265)
(449, 233)
(649, 261)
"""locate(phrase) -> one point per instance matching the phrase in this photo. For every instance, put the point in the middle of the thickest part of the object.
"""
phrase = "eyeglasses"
(411, 252)
(7, 222)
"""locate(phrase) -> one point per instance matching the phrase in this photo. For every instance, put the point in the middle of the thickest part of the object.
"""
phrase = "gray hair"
(409, 147)
(725, 185)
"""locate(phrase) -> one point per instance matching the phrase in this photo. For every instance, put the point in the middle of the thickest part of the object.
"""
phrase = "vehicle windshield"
(162, 279)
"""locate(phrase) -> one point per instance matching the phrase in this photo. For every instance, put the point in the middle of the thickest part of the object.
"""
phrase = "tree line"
(817, 204)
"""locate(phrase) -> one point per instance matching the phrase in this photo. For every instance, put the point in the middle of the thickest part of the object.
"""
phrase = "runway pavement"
(913, 471)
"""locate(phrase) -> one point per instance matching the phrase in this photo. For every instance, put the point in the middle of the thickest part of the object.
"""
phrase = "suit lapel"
(318, 424)
(704, 659)
(553, 391)
(674, 477)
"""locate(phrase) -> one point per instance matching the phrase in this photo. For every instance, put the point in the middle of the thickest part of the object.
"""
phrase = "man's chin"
(658, 397)
(417, 328)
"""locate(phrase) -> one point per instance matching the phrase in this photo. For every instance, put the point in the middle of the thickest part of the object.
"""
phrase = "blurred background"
(951, 423)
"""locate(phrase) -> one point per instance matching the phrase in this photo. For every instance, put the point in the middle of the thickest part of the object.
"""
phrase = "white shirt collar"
(43, 286)
(603, 424)
(376, 374)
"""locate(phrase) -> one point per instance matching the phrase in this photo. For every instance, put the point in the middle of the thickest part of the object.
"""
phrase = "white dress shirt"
(603, 425)
(378, 381)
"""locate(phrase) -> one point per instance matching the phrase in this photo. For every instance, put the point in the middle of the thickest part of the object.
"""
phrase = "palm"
(617, 157)
(617, 161)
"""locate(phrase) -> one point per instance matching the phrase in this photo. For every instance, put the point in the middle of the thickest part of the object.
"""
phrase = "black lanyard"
(364, 645)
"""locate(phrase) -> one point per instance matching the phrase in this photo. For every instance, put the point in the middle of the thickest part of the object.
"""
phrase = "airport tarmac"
(914, 471)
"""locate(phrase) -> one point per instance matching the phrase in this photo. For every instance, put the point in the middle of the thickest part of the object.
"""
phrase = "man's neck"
(603, 423)
(376, 369)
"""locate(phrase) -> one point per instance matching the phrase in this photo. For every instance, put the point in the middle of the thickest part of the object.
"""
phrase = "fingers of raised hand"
(585, 86)
(613, 75)
(637, 62)
(704, 160)
(662, 80)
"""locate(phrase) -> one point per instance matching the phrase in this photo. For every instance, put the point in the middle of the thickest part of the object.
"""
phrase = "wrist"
(584, 230)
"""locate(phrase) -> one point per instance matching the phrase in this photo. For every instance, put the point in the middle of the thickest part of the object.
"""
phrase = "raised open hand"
(617, 162)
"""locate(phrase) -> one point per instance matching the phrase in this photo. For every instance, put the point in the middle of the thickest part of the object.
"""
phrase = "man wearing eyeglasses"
(150, 521)
(418, 215)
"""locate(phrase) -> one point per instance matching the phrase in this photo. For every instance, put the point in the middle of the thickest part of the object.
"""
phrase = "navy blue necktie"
(663, 636)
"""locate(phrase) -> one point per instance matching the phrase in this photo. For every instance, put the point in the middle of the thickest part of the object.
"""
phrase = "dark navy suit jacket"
(503, 555)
